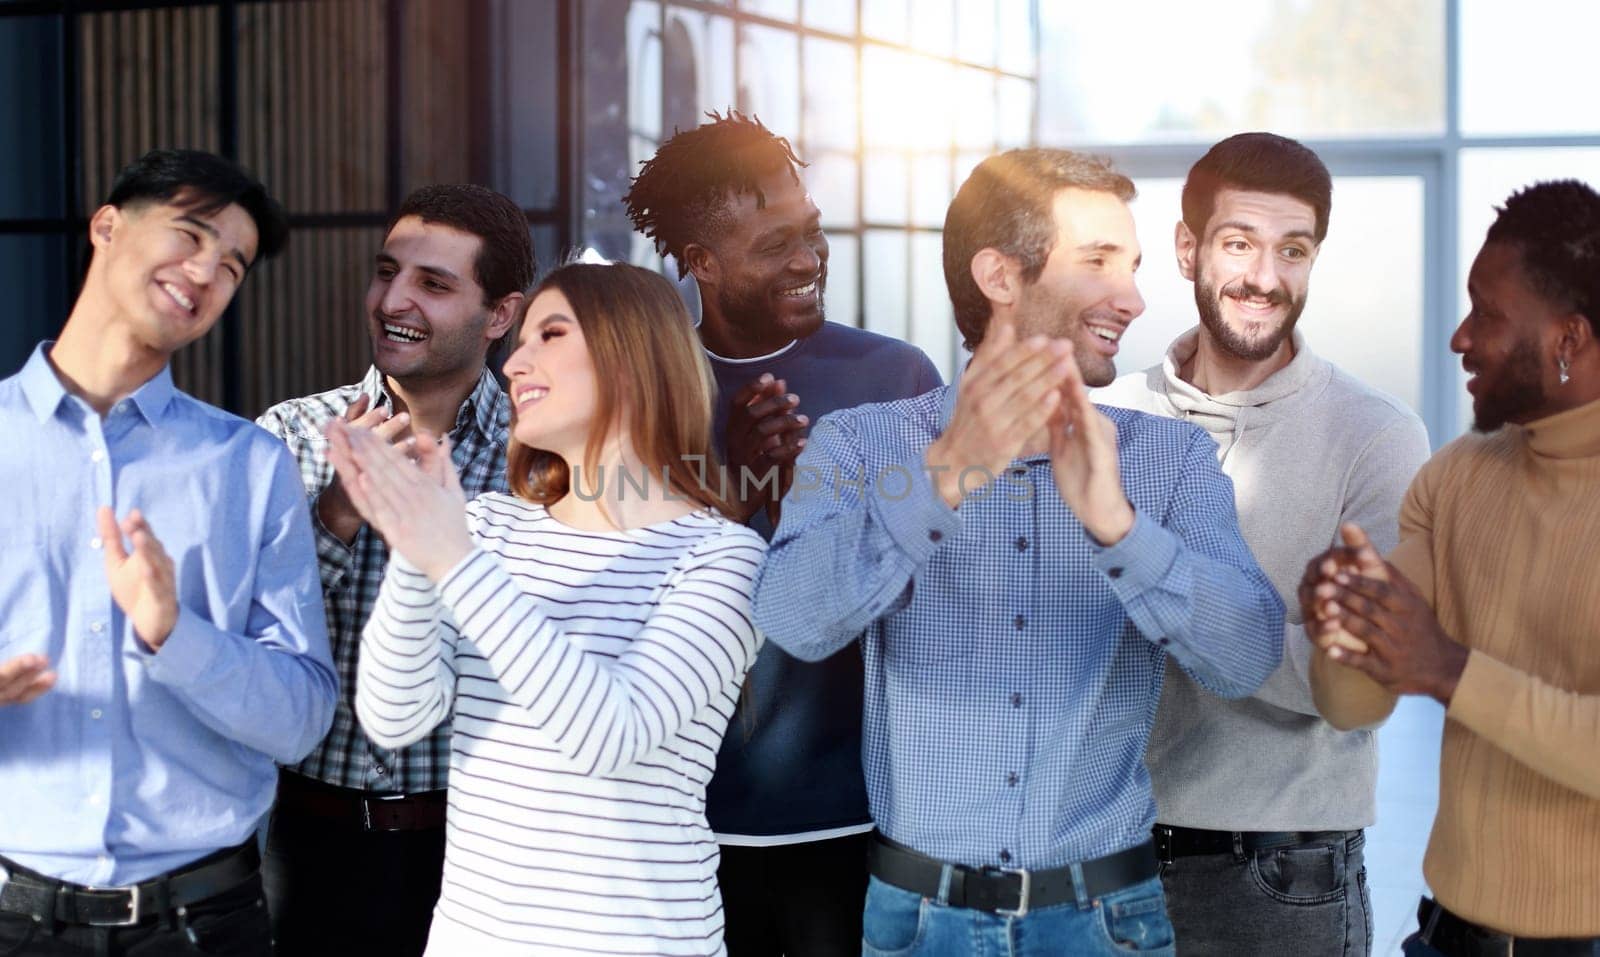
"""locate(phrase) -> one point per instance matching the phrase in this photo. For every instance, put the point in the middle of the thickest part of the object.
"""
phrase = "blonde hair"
(642, 343)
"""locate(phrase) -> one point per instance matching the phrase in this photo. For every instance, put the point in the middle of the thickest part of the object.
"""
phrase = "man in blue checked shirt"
(159, 583)
(1019, 565)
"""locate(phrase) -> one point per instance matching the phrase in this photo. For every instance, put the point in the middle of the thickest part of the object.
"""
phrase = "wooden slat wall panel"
(313, 125)
(149, 80)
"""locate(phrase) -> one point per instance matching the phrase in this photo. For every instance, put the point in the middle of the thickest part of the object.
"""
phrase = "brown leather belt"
(301, 796)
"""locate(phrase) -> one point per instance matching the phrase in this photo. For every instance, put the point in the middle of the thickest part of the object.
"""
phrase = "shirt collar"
(45, 392)
(1572, 434)
(486, 406)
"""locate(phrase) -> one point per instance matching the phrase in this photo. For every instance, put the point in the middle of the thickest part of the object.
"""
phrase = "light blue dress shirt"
(1013, 665)
(139, 762)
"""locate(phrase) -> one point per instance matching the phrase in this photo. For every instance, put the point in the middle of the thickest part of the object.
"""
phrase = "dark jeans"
(233, 923)
(339, 890)
(1308, 900)
(799, 900)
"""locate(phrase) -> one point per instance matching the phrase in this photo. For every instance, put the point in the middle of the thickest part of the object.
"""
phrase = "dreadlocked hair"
(681, 194)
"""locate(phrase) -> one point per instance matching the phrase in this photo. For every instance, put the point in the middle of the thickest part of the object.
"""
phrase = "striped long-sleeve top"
(589, 677)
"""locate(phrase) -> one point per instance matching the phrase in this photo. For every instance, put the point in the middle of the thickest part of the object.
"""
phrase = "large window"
(891, 102)
(1428, 113)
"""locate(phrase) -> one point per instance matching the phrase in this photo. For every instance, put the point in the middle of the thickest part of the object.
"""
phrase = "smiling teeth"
(1106, 334)
(178, 295)
(800, 292)
(402, 334)
(532, 392)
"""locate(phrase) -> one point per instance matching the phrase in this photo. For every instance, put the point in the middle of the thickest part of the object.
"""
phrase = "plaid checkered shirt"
(1013, 665)
(352, 573)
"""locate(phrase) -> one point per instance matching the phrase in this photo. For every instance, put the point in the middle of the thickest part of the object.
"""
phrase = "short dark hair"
(202, 183)
(1007, 205)
(1259, 163)
(505, 263)
(681, 194)
(1555, 226)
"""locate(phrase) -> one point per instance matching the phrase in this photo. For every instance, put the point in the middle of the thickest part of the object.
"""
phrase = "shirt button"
(1020, 622)
(1016, 699)
(102, 860)
(94, 800)
(98, 455)
(1115, 572)
(935, 535)
(95, 542)
(380, 770)
(1163, 642)
(1011, 779)
(97, 626)
(1005, 856)
(96, 713)
(1022, 544)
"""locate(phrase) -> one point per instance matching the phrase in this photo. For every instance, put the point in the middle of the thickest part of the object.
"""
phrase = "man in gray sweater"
(1261, 803)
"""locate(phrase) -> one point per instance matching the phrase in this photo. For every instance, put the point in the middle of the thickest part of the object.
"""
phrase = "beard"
(1208, 299)
(1515, 393)
(746, 303)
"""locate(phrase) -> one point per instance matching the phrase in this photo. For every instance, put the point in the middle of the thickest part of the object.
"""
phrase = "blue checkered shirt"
(351, 574)
(1012, 664)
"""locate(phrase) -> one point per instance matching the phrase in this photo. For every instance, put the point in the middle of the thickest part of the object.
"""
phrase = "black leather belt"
(46, 899)
(1459, 937)
(1009, 891)
(1176, 842)
(305, 797)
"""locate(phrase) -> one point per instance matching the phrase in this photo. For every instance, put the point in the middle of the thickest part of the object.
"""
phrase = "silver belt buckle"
(133, 907)
(1022, 897)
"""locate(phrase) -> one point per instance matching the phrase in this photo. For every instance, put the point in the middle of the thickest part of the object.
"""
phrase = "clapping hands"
(415, 504)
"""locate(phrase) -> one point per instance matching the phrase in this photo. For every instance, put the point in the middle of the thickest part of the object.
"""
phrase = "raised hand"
(763, 433)
(417, 507)
(1008, 394)
(1083, 455)
(25, 678)
(143, 582)
(334, 508)
(1404, 648)
(1321, 615)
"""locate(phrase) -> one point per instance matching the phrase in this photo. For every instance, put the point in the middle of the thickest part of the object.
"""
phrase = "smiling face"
(552, 381)
(770, 267)
(1086, 292)
(1251, 271)
(1505, 341)
(167, 271)
(425, 310)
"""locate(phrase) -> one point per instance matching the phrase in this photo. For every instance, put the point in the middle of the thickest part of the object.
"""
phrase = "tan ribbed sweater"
(1502, 532)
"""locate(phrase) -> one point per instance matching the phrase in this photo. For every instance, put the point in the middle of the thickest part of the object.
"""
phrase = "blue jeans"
(900, 923)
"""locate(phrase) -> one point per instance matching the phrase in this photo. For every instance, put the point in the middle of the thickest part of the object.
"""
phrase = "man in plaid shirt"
(447, 285)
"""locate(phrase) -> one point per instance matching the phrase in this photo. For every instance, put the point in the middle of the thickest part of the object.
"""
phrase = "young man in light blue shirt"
(163, 615)
(1020, 565)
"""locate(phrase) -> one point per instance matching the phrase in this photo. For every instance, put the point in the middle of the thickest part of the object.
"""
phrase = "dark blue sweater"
(791, 759)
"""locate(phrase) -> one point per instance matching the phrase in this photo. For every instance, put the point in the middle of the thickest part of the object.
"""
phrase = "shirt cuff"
(911, 510)
(1140, 561)
(1482, 693)
(185, 655)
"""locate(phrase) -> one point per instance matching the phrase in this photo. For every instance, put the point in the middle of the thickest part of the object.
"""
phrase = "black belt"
(306, 797)
(1009, 891)
(1459, 937)
(46, 899)
(1176, 842)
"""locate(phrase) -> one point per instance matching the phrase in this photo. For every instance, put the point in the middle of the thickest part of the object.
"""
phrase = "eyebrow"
(440, 271)
(210, 230)
(1247, 228)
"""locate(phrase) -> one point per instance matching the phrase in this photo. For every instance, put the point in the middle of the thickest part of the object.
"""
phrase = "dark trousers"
(233, 923)
(341, 890)
(1306, 900)
(798, 900)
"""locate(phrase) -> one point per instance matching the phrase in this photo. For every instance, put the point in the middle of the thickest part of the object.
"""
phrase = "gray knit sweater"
(1307, 449)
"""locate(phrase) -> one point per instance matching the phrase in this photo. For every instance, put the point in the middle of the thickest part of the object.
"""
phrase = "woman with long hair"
(587, 634)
